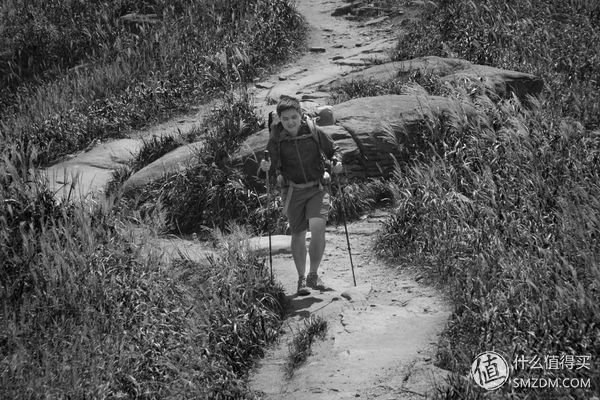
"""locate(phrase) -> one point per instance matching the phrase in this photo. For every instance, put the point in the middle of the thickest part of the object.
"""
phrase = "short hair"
(288, 103)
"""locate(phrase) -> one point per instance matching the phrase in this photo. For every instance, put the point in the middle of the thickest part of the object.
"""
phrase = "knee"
(299, 237)
(316, 225)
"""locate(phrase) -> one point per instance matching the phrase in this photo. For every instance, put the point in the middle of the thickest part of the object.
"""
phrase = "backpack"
(317, 116)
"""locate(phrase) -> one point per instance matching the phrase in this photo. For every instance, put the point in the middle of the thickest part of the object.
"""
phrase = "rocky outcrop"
(388, 128)
(498, 81)
(373, 132)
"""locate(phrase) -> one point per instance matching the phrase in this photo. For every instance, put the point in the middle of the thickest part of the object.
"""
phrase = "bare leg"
(317, 242)
(299, 251)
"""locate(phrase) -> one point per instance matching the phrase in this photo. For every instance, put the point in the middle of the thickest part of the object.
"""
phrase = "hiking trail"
(382, 334)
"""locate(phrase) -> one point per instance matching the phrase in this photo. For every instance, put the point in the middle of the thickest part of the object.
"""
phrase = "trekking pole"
(266, 158)
(337, 177)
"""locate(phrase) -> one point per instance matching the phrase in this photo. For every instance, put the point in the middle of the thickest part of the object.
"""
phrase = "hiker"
(299, 150)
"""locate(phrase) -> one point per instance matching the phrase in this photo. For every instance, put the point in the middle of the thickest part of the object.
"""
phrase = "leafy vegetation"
(86, 314)
(503, 209)
(89, 309)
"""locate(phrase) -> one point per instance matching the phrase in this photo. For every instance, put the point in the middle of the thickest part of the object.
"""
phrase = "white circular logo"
(490, 370)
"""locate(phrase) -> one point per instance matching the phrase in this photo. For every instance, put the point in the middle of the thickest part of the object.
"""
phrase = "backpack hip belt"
(293, 185)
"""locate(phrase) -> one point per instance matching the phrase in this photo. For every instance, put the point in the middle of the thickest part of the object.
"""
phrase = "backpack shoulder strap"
(312, 125)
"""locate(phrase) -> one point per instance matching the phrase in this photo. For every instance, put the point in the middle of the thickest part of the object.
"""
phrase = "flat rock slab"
(88, 173)
(174, 161)
(171, 248)
(280, 244)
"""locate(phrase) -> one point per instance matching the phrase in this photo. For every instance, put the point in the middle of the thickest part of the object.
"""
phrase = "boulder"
(373, 132)
(388, 128)
(174, 161)
(498, 81)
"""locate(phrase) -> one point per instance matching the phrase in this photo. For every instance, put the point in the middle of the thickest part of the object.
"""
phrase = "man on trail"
(298, 150)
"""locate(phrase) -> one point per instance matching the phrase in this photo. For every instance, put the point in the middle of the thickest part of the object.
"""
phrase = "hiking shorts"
(306, 203)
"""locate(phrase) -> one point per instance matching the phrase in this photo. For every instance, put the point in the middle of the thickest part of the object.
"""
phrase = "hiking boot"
(302, 289)
(314, 282)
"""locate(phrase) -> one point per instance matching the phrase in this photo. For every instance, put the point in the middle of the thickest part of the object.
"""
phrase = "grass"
(87, 314)
(107, 79)
(300, 346)
(89, 308)
(415, 83)
(502, 212)
(211, 193)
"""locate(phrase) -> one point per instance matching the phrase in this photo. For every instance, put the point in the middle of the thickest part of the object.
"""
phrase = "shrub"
(211, 193)
(87, 314)
(505, 217)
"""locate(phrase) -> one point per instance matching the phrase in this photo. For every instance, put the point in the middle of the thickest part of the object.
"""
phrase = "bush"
(87, 314)
(506, 220)
(211, 193)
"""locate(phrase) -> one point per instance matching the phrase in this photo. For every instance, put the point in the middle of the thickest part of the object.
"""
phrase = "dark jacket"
(298, 158)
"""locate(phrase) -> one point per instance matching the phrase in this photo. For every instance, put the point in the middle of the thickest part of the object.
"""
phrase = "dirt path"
(382, 333)
(336, 47)
(381, 338)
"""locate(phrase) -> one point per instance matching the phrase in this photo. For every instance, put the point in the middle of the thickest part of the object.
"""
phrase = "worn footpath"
(382, 333)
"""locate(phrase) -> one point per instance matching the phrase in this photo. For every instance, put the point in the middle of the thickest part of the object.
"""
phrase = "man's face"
(290, 119)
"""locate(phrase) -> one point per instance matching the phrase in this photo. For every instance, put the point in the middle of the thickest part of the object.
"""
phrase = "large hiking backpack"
(313, 116)
(321, 116)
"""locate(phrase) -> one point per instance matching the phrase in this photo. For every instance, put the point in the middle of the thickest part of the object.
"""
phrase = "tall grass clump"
(416, 83)
(73, 72)
(300, 346)
(505, 215)
(505, 211)
(87, 314)
(554, 39)
(351, 200)
(212, 192)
